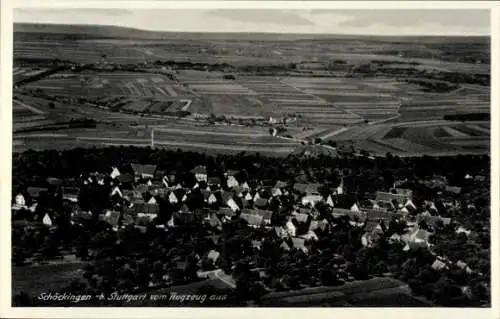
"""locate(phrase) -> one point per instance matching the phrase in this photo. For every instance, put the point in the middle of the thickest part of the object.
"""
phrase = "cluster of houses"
(135, 198)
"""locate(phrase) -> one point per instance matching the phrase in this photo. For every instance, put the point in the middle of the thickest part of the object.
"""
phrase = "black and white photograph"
(255, 157)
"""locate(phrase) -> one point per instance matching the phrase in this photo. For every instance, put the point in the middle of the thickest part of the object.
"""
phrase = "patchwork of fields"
(346, 110)
(109, 84)
(437, 137)
(21, 73)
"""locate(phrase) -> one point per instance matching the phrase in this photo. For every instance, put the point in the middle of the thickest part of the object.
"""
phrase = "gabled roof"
(213, 180)
(226, 196)
(308, 188)
(261, 202)
(266, 214)
(226, 211)
(199, 170)
(404, 191)
(206, 194)
(232, 172)
(140, 169)
(279, 230)
(453, 189)
(34, 192)
(255, 220)
(385, 196)
(142, 188)
(146, 208)
(159, 174)
(280, 184)
(299, 243)
(111, 218)
(125, 178)
(301, 218)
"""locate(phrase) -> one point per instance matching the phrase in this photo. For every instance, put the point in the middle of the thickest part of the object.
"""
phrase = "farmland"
(430, 137)
(216, 92)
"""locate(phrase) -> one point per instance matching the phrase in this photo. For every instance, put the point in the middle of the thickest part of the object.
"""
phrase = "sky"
(355, 21)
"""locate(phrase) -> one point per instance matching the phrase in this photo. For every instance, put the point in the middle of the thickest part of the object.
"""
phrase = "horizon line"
(252, 32)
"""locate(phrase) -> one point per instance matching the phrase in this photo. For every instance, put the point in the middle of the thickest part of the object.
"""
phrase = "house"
(200, 173)
(214, 182)
(299, 244)
(285, 246)
(231, 179)
(401, 199)
(434, 221)
(213, 256)
(453, 190)
(416, 238)
(256, 244)
(131, 194)
(306, 188)
(276, 192)
(116, 191)
(238, 191)
(260, 202)
(395, 238)
(165, 181)
(439, 264)
(266, 214)
(462, 265)
(355, 208)
(114, 173)
(228, 200)
(125, 178)
(184, 217)
(172, 198)
(143, 171)
(301, 218)
(290, 228)
(280, 232)
(36, 192)
(340, 189)
(353, 215)
(71, 194)
(111, 217)
(19, 200)
(321, 225)
(47, 220)
(211, 199)
(79, 216)
(312, 199)
(404, 191)
(310, 236)
(462, 230)
(226, 212)
(143, 208)
(159, 175)
(410, 206)
(329, 201)
(253, 220)
(245, 186)
(248, 197)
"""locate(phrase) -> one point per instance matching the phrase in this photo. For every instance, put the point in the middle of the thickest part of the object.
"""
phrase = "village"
(249, 234)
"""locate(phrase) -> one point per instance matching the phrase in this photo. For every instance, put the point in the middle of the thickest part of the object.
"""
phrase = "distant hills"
(91, 31)
(109, 31)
